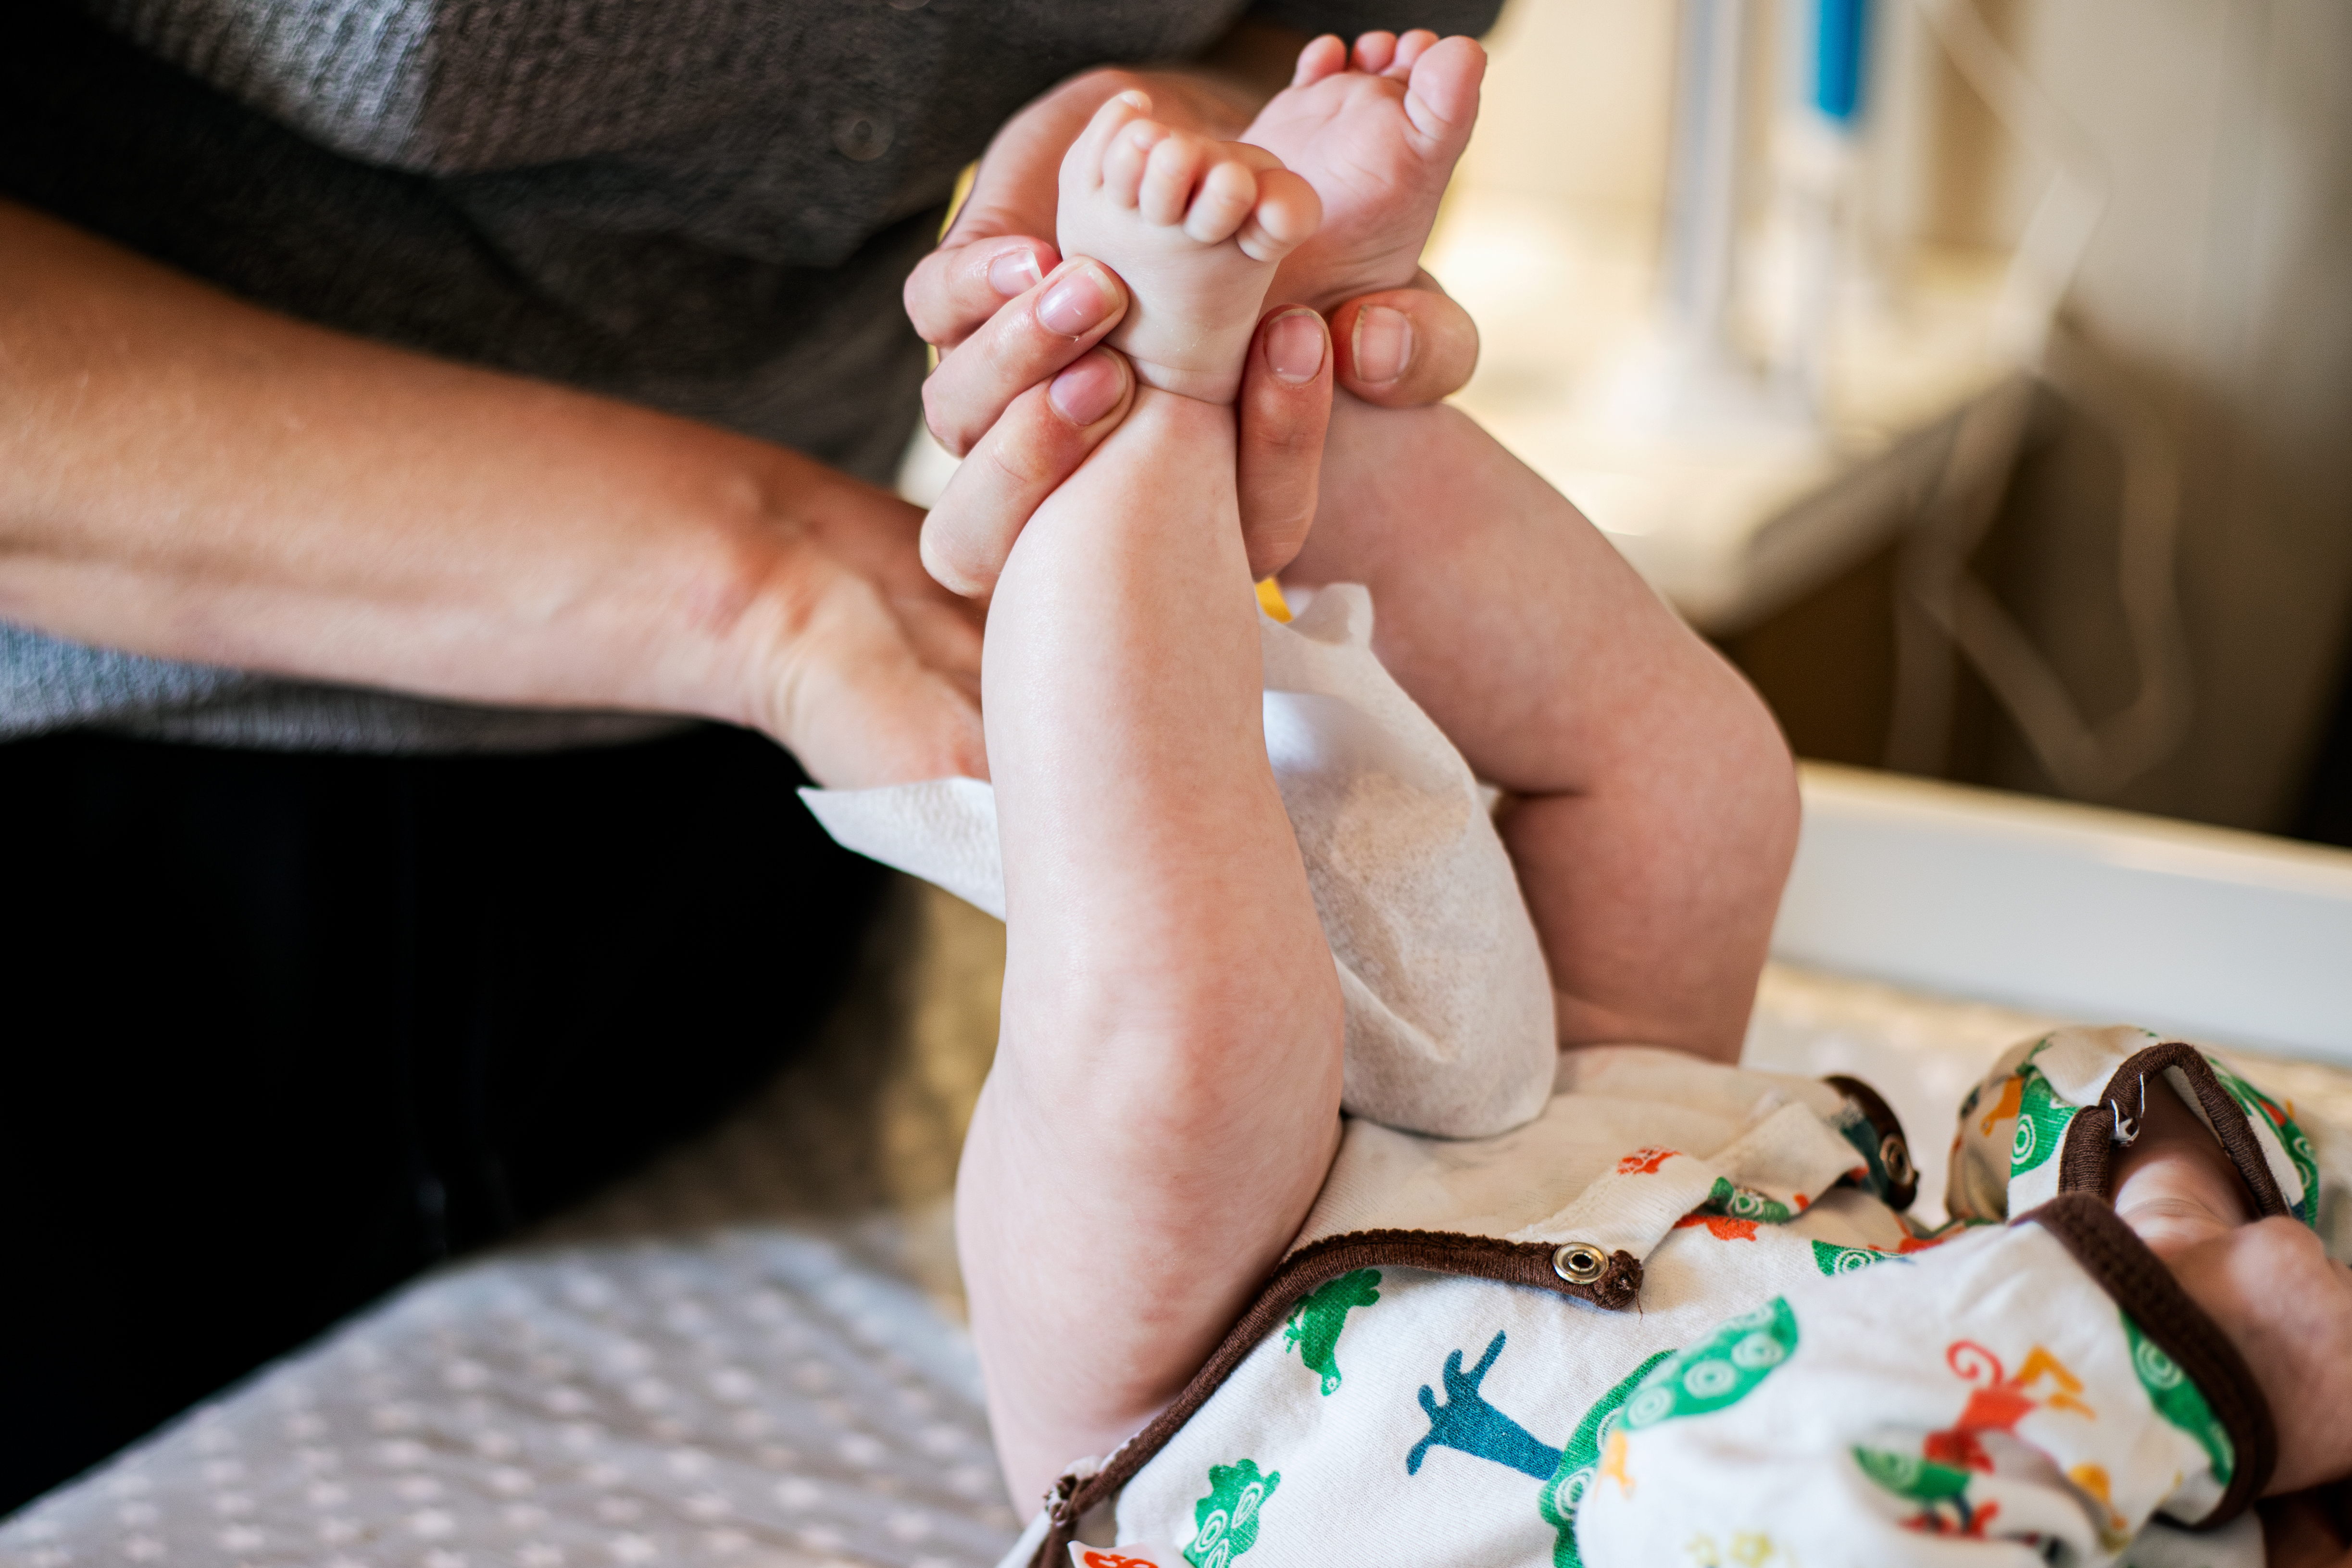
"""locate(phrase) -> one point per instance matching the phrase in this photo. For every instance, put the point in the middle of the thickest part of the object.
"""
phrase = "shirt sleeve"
(2039, 1393)
(1444, 17)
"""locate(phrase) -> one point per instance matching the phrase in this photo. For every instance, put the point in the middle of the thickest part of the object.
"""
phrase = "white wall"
(2219, 287)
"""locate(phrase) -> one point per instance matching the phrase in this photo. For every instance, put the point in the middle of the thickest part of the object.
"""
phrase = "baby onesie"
(1626, 1308)
(1677, 1319)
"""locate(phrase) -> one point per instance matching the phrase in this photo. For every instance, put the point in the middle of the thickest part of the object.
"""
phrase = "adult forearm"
(188, 476)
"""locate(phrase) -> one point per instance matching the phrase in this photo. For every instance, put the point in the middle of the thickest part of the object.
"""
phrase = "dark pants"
(279, 1031)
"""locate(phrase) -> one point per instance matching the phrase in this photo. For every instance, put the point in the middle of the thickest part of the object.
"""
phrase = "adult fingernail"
(1294, 347)
(1384, 344)
(1014, 272)
(1074, 306)
(1087, 390)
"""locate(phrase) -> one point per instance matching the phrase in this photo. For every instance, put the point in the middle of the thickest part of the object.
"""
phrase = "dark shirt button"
(861, 138)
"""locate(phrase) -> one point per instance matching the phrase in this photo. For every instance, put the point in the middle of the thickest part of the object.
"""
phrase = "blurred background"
(1977, 372)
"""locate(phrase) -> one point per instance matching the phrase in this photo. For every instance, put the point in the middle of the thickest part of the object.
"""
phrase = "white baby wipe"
(1449, 1005)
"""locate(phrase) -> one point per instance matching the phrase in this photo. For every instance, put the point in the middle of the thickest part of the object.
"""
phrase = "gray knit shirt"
(707, 206)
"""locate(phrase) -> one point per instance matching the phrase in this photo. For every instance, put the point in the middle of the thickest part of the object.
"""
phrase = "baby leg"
(1165, 1098)
(1656, 809)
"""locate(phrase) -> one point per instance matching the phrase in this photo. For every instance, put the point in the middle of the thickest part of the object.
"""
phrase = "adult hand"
(1024, 393)
(445, 530)
(1000, 244)
(855, 658)
(1047, 431)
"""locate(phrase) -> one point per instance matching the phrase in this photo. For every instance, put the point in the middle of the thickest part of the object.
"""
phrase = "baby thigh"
(1656, 812)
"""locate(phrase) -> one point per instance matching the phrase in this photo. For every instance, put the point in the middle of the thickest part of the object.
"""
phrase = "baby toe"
(1127, 157)
(1168, 175)
(1410, 47)
(1325, 55)
(1116, 113)
(1287, 212)
(1374, 52)
(1443, 96)
(1227, 194)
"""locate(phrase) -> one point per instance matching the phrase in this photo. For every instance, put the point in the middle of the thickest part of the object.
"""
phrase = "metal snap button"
(1895, 1156)
(861, 138)
(1580, 1263)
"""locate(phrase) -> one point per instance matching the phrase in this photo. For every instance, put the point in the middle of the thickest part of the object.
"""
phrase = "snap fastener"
(1580, 1263)
(861, 138)
(1895, 1156)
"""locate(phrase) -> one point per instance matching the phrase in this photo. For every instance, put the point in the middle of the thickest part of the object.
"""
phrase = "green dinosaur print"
(1315, 1324)
(1832, 1258)
(1225, 1523)
(2261, 1109)
(2179, 1401)
(1940, 1490)
(2041, 1120)
(1719, 1371)
(1909, 1476)
(1744, 1202)
(1564, 1493)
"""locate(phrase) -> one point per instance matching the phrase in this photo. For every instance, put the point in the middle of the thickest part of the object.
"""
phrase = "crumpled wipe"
(1449, 1005)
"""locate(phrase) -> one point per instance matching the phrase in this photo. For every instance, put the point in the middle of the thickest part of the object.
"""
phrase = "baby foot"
(1377, 133)
(1194, 227)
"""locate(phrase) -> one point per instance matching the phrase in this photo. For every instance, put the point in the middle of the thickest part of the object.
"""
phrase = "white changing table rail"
(2232, 938)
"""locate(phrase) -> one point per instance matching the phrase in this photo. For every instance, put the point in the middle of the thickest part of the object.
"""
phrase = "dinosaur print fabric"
(1994, 1397)
(1803, 1376)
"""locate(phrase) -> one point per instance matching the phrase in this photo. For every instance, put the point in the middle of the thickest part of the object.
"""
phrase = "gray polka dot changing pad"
(748, 1356)
(752, 1396)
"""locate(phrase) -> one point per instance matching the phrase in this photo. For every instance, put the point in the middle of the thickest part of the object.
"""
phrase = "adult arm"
(187, 475)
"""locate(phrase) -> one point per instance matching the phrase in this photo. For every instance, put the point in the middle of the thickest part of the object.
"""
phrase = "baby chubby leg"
(1165, 1098)
(1656, 810)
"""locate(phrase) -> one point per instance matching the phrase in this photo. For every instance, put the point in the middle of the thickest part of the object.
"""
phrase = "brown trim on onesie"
(2082, 1218)
(1439, 1252)
(2139, 1283)
(1895, 1161)
(1530, 1263)
(2086, 1158)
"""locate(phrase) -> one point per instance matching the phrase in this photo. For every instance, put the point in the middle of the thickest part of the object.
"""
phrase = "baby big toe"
(1442, 97)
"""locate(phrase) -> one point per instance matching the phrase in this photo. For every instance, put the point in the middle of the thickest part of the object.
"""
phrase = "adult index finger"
(1041, 440)
(954, 290)
(1031, 339)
